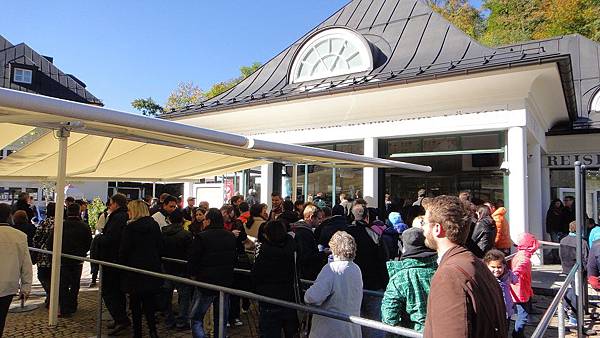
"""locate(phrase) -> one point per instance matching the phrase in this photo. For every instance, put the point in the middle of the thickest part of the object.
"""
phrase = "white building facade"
(409, 86)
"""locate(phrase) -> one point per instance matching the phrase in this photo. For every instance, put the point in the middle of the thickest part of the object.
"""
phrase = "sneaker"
(228, 325)
(572, 322)
(237, 322)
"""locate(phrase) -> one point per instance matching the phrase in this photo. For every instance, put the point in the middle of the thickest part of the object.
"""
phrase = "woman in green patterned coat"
(405, 300)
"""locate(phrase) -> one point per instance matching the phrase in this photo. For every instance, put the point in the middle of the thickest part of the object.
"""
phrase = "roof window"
(22, 75)
(332, 52)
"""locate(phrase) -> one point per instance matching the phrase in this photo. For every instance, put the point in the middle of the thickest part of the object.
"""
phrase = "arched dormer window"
(332, 52)
(595, 106)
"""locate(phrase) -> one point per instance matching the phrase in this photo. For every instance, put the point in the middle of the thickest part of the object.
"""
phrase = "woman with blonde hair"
(141, 247)
(338, 288)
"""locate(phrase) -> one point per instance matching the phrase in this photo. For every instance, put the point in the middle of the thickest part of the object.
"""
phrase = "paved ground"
(83, 323)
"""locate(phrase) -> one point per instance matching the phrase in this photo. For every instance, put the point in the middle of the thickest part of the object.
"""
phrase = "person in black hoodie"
(211, 261)
(273, 276)
(108, 246)
(141, 247)
(76, 240)
(178, 243)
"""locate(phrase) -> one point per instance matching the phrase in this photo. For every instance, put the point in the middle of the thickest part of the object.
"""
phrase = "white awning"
(106, 144)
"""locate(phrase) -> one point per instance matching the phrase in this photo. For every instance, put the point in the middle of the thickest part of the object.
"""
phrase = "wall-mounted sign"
(568, 160)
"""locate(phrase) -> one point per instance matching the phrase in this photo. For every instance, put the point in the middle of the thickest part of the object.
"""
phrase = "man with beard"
(465, 299)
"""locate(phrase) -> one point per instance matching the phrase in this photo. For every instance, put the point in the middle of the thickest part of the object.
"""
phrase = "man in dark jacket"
(273, 276)
(109, 251)
(310, 259)
(212, 260)
(23, 204)
(568, 258)
(330, 225)
(76, 240)
(233, 224)
(178, 243)
(188, 211)
(465, 299)
(371, 258)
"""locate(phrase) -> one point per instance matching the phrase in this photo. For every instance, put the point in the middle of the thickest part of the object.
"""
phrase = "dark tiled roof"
(411, 43)
(49, 80)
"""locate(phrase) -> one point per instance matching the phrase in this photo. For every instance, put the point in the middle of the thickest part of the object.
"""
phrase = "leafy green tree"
(186, 94)
(224, 86)
(511, 21)
(561, 17)
(460, 13)
(147, 106)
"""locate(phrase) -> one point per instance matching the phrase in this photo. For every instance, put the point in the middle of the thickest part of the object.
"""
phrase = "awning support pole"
(294, 182)
(305, 183)
(63, 138)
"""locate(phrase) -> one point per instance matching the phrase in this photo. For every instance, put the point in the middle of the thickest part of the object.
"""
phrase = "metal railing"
(556, 304)
(225, 290)
(247, 272)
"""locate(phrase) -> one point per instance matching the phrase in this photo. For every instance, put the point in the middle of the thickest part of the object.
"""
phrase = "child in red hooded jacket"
(522, 292)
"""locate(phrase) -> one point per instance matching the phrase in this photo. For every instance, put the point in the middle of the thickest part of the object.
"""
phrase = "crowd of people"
(439, 261)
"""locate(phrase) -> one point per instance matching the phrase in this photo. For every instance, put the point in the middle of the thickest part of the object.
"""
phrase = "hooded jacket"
(141, 247)
(178, 242)
(310, 259)
(273, 270)
(405, 300)
(484, 234)
(329, 227)
(370, 256)
(521, 266)
(503, 240)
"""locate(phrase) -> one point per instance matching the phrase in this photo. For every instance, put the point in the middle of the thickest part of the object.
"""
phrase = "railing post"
(561, 319)
(221, 314)
(579, 282)
(99, 315)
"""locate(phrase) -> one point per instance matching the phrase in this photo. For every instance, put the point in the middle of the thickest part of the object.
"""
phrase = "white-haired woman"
(338, 288)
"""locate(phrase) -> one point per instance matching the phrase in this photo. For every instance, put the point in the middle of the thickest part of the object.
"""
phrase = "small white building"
(393, 79)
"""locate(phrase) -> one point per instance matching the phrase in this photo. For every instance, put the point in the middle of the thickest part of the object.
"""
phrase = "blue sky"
(123, 50)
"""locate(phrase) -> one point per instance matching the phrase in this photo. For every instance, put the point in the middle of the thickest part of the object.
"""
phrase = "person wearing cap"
(405, 299)
(420, 195)
(188, 212)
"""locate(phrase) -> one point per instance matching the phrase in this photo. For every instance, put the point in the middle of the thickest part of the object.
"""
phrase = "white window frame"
(22, 75)
(351, 37)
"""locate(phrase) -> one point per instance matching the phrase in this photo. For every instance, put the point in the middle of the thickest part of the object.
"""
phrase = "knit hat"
(413, 244)
(396, 221)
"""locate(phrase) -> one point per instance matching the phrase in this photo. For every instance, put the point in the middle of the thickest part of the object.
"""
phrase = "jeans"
(70, 277)
(202, 300)
(571, 301)
(184, 299)
(371, 309)
(43, 274)
(273, 319)
(4, 305)
(142, 303)
(523, 310)
(113, 297)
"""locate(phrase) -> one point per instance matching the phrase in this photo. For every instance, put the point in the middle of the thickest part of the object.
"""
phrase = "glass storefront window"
(562, 183)
(452, 172)
(320, 180)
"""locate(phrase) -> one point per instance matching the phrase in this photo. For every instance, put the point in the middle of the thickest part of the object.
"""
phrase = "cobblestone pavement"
(83, 323)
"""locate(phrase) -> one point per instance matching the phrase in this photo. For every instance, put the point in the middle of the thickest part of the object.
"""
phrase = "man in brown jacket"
(465, 299)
